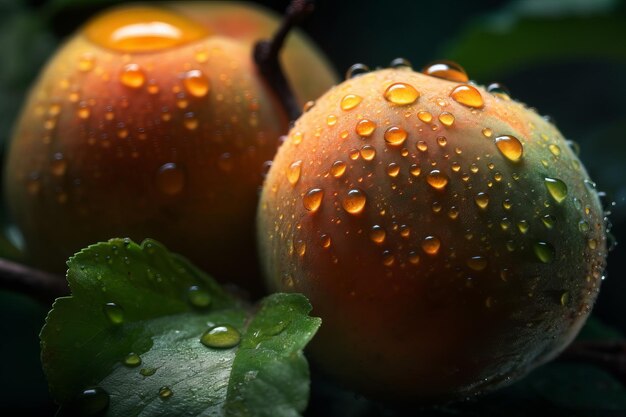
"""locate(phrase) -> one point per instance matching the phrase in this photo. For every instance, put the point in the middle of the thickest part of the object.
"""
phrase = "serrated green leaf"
(83, 347)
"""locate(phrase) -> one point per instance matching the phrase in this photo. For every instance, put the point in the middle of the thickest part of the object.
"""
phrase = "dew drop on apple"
(401, 93)
(467, 95)
(132, 76)
(197, 83)
(350, 101)
(544, 251)
(365, 127)
(395, 135)
(431, 245)
(446, 70)
(354, 202)
(170, 179)
(556, 188)
(437, 179)
(312, 200)
(294, 171)
(378, 234)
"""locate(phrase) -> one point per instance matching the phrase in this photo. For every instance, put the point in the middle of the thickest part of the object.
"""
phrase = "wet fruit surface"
(149, 123)
(454, 237)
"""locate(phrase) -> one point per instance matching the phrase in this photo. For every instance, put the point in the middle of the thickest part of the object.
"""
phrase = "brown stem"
(40, 285)
(609, 355)
(266, 55)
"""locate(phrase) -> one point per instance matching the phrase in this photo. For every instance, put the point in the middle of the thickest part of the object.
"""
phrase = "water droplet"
(300, 247)
(421, 146)
(399, 63)
(365, 127)
(467, 95)
(446, 70)
(170, 179)
(437, 179)
(368, 152)
(446, 118)
(308, 106)
(331, 120)
(393, 169)
(132, 360)
(197, 83)
(477, 263)
(510, 147)
(296, 137)
(548, 221)
(498, 89)
(199, 297)
(544, 252)
(90, 402)
(401, 94)
(556, 188)
(592, 243)
(523, 226)
(165, 392)
(190, 121)
(357, 70)
(415, 170)
(395, 136)
(149, 371)
(58, 166)
(554, 149)
(350, 101)
(221, 337)
(388, 258)
(294, 171)
(142, 29)
(414, 258)
(583, 226)
(431, 245)
(312, 200)
(354, 202)
(132, 76)
(482, 200)
(487, 132)
(325, 241)
(564, 298)
(338, 169)
(425, 116)
(442, 141)
(377, 234)
(113, 313)
(86, 62)
(83, 111)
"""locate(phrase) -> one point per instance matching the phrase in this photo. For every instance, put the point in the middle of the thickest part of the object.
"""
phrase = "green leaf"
(536, 33)
(129, 298)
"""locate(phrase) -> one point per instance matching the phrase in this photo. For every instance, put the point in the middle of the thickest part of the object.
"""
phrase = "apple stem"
(40, 285)
(609, 355)
(266, 55)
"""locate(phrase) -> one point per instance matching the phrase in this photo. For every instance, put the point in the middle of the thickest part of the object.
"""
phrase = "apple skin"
(509, 286)
(116, 140)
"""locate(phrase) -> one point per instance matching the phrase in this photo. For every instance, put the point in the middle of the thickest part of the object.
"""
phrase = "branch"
(266, 55)
(40, 285)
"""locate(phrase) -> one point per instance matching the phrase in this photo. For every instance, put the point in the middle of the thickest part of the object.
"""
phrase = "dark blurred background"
(566, 58)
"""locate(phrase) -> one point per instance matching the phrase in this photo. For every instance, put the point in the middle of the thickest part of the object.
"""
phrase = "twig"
(266, 55)
(40, 285)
